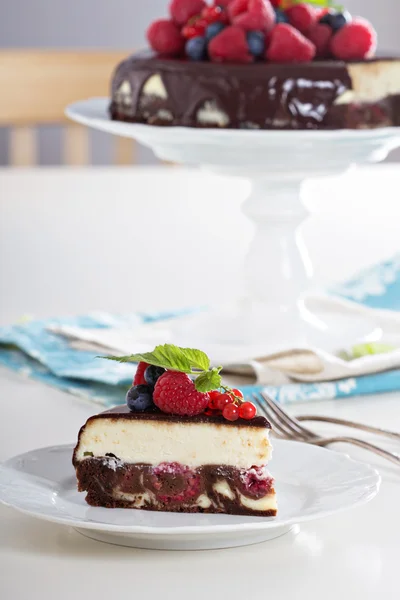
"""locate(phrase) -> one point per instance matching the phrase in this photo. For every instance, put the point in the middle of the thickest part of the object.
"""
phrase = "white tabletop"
(73, 241)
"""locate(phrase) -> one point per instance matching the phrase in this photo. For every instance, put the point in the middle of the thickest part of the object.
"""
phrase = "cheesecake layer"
(193, 441)
(315, 95)
(173, 487)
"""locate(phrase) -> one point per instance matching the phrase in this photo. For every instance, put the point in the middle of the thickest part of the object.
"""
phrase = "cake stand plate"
(278, 270)
(311, 483)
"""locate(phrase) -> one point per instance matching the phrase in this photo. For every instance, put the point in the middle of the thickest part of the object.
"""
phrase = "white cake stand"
(277, 267)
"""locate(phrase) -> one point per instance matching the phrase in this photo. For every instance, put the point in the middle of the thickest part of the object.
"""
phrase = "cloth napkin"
(358, 353)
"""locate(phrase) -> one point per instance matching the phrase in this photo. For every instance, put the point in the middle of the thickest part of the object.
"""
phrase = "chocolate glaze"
(260, 95)
(100, 481)
(123, 412)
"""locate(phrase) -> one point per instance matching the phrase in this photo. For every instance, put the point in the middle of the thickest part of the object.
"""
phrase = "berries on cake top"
(181, 381)
(242, 31)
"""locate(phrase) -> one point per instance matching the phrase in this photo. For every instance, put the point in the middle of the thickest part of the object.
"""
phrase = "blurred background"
(121, 25)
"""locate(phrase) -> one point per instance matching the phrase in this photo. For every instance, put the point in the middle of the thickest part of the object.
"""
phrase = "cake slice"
(211, 458)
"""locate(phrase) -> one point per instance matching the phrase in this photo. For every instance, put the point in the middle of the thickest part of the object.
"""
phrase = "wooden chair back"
(37, 85)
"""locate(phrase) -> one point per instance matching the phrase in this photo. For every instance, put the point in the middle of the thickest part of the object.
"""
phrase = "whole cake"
(183, 443)
(258, 64)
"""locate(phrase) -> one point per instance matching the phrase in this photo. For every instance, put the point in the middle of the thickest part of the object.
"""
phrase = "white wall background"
(122, 24)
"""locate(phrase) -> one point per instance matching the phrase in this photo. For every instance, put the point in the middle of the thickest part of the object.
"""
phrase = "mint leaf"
(209, 380)
(197, 358)
(171, 357)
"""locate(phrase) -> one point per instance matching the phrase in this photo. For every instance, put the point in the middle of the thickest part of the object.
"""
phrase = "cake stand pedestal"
(277, 268)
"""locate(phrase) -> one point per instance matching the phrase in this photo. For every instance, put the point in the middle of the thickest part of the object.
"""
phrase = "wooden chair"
(36, 86)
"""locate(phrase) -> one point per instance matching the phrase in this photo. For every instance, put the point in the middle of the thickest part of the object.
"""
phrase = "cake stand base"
(277, 270)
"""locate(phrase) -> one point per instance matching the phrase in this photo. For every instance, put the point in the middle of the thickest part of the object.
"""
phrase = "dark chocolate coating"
(257, 96)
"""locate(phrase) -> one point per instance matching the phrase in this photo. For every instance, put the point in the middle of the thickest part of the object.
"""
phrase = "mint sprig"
(186, 360)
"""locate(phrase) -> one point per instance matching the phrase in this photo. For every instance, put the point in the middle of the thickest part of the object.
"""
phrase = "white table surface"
(73, 241)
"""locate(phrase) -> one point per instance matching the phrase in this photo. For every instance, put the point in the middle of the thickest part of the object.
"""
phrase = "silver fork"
(286, 427)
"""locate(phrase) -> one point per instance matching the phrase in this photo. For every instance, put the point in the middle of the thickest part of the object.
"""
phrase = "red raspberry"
(354, 41)
(230, 46)
(236, 7)
(259, 16)
(302, 16)
(320, 35)
(289, 45)
(175, 393)
(139, 375)
(165, 38)
(182, 10)
(222, 2)
(275, 3)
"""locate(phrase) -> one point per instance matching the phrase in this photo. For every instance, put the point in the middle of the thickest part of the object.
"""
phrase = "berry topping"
(222, 401)
(320, 35)
(152, 374)
(302, 16)
(182, 10)
(247, 411)
(139, 398)
(176, 394)
(354, 41)
(231, 412)
(230, 46)
(195, 28)
(196, 48)
(286, 44)
(236, 7)
(265, 13)
(213, 30)
(139, 375)
(212, 14)
(165, 38)
(335, 20)
(280, 16)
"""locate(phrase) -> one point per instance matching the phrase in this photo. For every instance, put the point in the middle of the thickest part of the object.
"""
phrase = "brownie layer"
(171, 487)
(315, 95)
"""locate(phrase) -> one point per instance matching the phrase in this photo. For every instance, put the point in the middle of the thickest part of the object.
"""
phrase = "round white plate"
(311, 482)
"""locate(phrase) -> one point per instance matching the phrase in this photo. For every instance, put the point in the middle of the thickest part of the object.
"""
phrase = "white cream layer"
(372, 81)
(192, 444)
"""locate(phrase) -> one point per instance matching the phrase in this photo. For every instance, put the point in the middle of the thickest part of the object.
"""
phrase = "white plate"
(311, 482)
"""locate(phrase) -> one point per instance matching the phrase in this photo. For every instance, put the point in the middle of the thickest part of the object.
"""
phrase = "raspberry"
(165, 38)
(139, 375)
(320, 35)
(260, 16)
(176, 394)
(256, 482)
(286, 44)
(173, 482)
(182, 10)
(236, 7)
(275, 3)
(302, 16)
(223, 3)
(354, 41)
(230, 46)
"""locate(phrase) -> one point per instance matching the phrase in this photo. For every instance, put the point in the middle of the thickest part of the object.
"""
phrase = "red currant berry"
(214, 394)
(212, 403)
(247, 411)
(222, 401)
(190, 31)
(209, 412)
(231, 412)
(237, 393)
(212, 14)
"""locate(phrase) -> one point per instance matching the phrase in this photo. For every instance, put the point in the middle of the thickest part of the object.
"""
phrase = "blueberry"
(196, 48)
(336, 20)
(213, 30)
(280, 16)
(152, 374)
(256, 42)
(139, 398)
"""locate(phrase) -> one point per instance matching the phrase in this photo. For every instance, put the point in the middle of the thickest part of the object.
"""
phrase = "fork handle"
(353, 424)
(395, 458)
